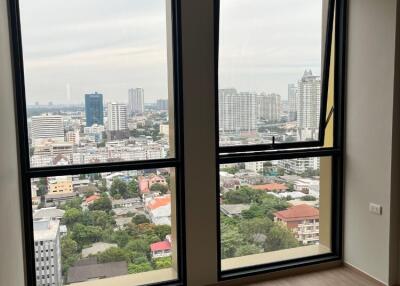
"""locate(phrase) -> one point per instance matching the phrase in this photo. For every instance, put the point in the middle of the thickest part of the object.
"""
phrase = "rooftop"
(162, 245)
(48, 213)
(96, 271)
(96, 248)
(298, 212)
(271, 187)
(45, 229)
(159, 202)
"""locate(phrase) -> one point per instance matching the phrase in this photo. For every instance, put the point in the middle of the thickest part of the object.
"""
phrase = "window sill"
(155, 276)
(273, 256)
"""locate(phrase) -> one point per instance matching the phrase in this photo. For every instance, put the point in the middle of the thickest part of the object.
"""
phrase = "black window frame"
(324, 92)
(337, 27)
(27, 172)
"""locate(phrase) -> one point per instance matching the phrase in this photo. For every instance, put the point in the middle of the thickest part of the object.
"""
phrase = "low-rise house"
(161, 249)
(91, 270)
(234, 210)
(272, 187)
(126, 203)
(145, 183)
(96, 248)
(121, 212)
(77, 184)
(159, 209)
(90, 200)
(60, 198)
(303, 220)
(51, 213)
(285, 195)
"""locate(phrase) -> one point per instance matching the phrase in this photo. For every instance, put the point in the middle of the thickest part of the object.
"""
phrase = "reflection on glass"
(269, 71)
(271, 211)
(96, 81)
(103, 226)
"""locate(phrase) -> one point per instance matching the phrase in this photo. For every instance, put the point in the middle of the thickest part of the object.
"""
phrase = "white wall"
(11, 261)
(370, 94)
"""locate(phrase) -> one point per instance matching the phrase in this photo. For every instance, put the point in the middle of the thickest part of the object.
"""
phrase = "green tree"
(121, 238)
(119, 187)
(231, 240)
(140, 219)
(254, 229)
(72, 216)
(42, 187)
(101, 219)
(247, 249)
(138, 246)
(231, 170)
(138, 268)
(69, 253)
(133, 188)
(113, 254)
(280, 237)
(85, 235)
(75, 203)
(308, 198)
(161, 263)
(162, 231)
(159, 188)
(101, 204)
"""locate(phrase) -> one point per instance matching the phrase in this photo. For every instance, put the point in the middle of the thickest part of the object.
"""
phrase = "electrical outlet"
(375, 209)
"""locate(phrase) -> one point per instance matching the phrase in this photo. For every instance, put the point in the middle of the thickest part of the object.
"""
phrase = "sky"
(81, 46)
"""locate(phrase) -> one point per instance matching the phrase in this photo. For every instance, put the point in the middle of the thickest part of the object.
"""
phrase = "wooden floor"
(342, 276)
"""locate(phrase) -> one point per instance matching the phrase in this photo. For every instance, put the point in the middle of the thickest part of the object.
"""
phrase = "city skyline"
(98, 51)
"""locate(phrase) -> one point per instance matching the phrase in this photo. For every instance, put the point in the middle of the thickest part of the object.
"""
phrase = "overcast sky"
(80, 46)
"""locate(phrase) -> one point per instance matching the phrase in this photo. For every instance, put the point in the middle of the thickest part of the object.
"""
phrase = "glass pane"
(269, 71)
(274, 211)
(98, 80)
(117, 227)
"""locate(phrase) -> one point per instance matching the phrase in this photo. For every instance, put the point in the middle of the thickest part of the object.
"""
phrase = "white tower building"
(135, 101)
(117, 116)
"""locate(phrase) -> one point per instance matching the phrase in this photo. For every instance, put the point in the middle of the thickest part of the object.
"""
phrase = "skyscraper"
(47, 252)
(135, 101)
(46, 127)
(237, 111)
(162, 104)
(308, 106)
(117, 116)
(268, 107)
(94, 109)
(292, 98)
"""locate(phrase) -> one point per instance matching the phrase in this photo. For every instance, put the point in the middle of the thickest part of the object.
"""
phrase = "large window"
(101, 150)
(106, 93)
(279, 135)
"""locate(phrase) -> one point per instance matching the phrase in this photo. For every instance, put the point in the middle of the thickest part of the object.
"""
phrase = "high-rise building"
(47, 252)
(116, 116)
(47, 127)
(162, 104)
(135, 101)
(237, 111)
(268, 107)
(94, 109)
(308, 106)
(292, 99)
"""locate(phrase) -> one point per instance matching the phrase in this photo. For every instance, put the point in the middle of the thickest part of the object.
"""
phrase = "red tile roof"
(271, 187)
(92, 198)
(159, 202)
(162, 245)
(299, 212)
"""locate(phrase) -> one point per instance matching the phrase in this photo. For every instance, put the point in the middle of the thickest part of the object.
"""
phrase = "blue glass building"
(94, 109)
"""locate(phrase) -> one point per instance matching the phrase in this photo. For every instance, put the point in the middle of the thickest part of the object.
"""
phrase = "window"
(104, 90)
(279, 135)
(100, 140)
